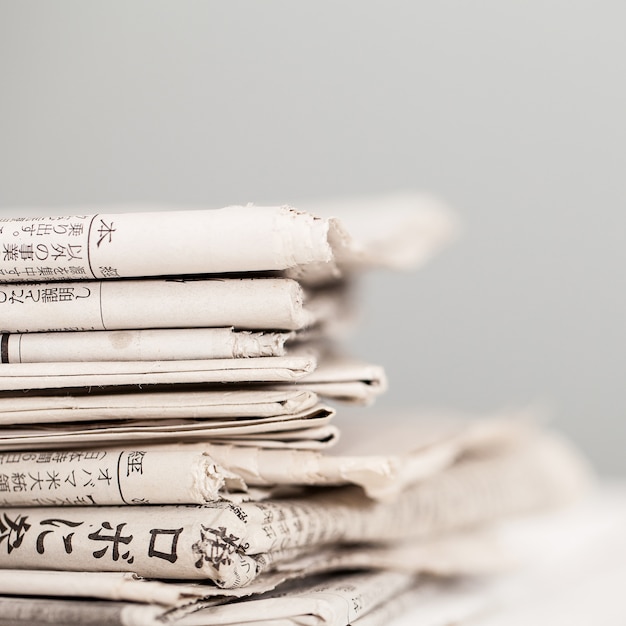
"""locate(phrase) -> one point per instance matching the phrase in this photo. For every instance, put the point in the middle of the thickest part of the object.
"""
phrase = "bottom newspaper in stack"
(409, 511)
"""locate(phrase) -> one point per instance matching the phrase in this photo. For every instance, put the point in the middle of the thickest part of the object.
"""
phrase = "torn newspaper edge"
(97, 477)
(396, 231)
(233, 544)
(233, 239)
(177, 344)
(407, 454)
(248, 303)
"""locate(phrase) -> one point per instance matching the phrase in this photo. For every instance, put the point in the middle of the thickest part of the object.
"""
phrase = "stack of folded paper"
(165, 440)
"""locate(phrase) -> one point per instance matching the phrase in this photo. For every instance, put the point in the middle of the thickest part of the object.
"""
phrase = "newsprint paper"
(309, 429)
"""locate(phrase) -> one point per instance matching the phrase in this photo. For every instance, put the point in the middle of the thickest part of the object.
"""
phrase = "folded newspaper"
(169, 449)
(144, 243)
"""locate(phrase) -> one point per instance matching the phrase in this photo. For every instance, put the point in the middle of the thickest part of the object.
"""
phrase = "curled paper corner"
(398, 231)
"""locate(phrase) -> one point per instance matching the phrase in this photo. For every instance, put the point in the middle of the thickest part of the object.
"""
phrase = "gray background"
(514, 112)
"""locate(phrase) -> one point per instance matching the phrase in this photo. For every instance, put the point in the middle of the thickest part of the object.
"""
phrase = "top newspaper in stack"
(236, 239)
(230, 240)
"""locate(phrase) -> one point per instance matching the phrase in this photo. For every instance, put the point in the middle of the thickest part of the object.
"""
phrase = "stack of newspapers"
(169, 450)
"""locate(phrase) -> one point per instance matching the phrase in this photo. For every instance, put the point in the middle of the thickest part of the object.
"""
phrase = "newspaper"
(579, 589)
(461, 554)
(26, 376)
(408, 451)
(112, 245)
(252, 303)
(97, 477)
(332, 601)
(580, 549)
(95, 405)
(232, 544)
(234, 239)
(307, 429)
(551, 555)
(140, 345)
(203, 472)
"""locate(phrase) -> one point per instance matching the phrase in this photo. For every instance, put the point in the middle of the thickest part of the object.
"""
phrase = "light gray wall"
(513, 111)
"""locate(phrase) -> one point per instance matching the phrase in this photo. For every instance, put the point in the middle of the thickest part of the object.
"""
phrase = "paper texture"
(254, 303)
(232, 544)
(140, 345)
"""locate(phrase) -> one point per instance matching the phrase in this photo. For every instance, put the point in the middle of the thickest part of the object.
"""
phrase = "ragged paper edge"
(396, 231)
